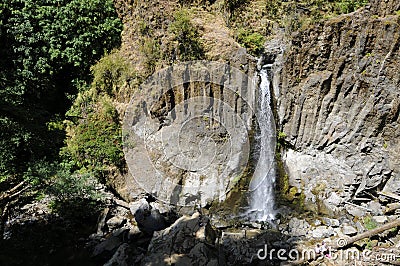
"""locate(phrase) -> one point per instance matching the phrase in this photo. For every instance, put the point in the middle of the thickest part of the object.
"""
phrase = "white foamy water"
(263, 181)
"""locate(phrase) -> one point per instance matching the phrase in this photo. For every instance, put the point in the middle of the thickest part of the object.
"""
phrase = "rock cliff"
(338, 103)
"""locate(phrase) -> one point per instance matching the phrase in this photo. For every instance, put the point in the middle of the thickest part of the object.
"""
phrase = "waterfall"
(263, 181)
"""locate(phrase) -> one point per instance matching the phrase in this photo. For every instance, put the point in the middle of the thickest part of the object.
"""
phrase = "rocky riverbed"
(146, 232)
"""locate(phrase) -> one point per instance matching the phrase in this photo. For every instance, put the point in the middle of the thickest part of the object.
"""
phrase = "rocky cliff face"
(188, 124)
(187, 132)
(338, 103)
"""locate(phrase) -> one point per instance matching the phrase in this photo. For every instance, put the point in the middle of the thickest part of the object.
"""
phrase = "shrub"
(151, 51)
(75, 194)
(60, 181)
(67, 186)
(254, 42)
(95, 143)
(232, 5)
(187, 36)
(348, 6)
(111, 73)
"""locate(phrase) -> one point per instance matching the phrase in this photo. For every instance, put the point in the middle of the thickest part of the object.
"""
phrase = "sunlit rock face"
(186, 132)
(338, 103)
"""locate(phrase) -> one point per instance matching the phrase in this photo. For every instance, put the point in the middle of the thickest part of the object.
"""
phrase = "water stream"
(263, 181)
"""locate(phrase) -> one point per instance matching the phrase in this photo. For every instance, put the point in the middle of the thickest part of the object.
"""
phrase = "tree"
(47, 49)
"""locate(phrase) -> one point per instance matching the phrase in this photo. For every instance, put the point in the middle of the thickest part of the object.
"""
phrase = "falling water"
(263, 182)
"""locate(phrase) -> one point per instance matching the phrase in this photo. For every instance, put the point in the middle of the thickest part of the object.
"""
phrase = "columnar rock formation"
(338, 103)
(186, 132)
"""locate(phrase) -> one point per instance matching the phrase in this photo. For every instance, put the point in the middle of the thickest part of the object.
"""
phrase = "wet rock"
(256, 225)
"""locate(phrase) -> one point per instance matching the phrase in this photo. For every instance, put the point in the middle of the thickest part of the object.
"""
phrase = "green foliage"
(66, 186)
(281, 140)
(111, 73)
(75, 194)
(39, 173)
(12, 139)
(369, 223)
(385, 145)
(47, 47)
(151, 51)
(253, 41)
(189, 46)
(347, 6)
(95, 142)
(51, 39)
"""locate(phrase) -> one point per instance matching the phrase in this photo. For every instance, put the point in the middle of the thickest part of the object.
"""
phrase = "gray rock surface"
(380, 219)
(349, 230)
(120, 257)
(330, 222)
(115, 222)
(189, 241)
(298, 227)
(107, 247)
(322, 232)
(338, 103)
(187, 139)
(147, 218)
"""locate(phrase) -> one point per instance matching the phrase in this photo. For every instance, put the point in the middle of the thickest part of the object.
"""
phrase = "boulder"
(120, 257)
(380, 219)
(107, 247)
(322, 232)
(349, 230)
(298, 227)
(116, 222)
(188, 241)
(147, 218)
